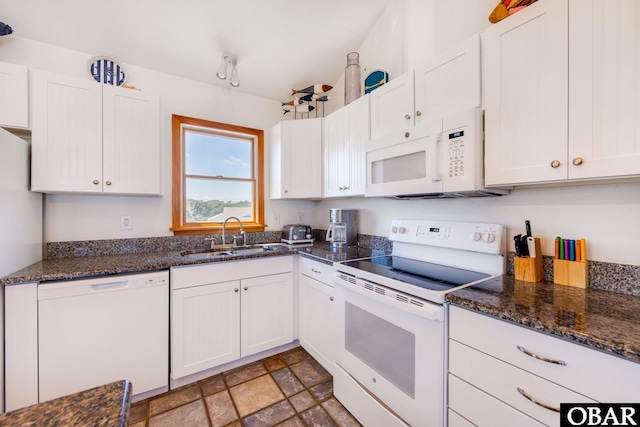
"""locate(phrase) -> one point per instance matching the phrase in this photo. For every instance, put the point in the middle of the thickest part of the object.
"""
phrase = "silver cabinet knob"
(407, 116)
(108, 182)
(418, 113)
(246, 288)
(555, 163)
(96, 182)
(407, 134)
(578, 161)
(330, 298)
(236, 290)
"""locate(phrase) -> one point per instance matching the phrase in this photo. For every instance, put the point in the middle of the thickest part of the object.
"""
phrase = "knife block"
(529, 269)
(571, 273)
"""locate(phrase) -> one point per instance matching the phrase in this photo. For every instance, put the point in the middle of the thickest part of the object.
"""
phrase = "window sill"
(190, 229)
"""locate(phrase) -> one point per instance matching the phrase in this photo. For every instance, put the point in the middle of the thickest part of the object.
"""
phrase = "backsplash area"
(86, 248)
(607, 276)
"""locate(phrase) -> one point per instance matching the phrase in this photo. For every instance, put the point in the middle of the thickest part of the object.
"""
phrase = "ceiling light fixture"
(229, 60)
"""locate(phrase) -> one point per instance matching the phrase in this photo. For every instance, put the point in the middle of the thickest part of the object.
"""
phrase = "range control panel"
(472, 236)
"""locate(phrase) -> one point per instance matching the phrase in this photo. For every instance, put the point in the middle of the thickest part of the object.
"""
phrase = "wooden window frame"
(180, 227)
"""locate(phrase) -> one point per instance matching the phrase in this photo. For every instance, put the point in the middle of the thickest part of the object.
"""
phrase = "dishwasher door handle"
(109, 286)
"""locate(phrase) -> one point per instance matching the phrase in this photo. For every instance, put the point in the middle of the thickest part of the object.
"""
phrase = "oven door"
(393, 347)
(410, 166)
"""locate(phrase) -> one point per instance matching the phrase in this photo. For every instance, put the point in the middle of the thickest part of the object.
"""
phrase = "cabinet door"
(302, 159)
(205, 327)
(392, 107)
(526, 91)
(450, 81)
(316, 319)
(604, 88)
(14, 95)
(131, 141)
(66, 134)
(267, 313)
(335, 147)
(358, 119)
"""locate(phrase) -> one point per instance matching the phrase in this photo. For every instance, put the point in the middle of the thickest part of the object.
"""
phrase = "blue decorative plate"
(107, 70)
(374, 80)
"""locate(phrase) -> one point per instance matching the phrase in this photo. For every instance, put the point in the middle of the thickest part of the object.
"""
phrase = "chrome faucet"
(224, 232)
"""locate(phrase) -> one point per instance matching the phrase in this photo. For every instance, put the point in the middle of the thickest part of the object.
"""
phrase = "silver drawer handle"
(551, 408)
(544, 359)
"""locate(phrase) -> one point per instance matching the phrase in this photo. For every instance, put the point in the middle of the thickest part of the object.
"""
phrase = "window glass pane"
(211, 200)
(213, 155)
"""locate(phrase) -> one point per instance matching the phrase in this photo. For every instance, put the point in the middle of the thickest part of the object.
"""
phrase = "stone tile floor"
(290, 389)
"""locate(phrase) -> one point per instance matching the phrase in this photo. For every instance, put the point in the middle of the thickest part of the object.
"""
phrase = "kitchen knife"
(516, 240)
(527, 225)
(531, 246)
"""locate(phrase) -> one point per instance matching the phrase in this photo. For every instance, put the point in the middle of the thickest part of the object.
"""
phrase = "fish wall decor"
(298, 108)
(313, 89)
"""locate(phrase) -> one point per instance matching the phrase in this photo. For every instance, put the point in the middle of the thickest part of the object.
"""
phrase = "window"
(217, 174)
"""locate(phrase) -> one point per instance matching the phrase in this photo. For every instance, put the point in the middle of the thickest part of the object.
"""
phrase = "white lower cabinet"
(222, 312)
(504, 374)
(315, 310)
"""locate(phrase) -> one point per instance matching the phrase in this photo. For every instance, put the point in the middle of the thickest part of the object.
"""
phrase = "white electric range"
(390, 318)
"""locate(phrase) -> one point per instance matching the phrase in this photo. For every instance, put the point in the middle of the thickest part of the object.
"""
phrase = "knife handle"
(578, 251)
(572, 250)
(583, 250)
(531, 246)
(566, 248)
(516, 240)
(556, 252)
(561, 248)
(527, 225)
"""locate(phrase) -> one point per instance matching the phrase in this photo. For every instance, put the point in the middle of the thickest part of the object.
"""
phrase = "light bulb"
(222, 70)
(235, 82)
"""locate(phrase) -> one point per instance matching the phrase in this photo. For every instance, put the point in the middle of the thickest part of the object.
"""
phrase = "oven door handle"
(400, 301)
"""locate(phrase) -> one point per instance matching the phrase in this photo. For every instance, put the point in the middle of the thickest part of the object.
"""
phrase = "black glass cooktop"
(420, 273)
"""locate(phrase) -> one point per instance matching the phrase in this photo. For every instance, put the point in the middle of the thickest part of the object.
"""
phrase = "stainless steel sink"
(229, 251)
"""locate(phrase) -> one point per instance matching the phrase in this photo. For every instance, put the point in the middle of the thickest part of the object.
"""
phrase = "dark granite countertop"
(107, 405)
(600, 319)
(103, 265)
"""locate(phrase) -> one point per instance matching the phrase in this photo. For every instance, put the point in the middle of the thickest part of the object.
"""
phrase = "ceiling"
(280, 44)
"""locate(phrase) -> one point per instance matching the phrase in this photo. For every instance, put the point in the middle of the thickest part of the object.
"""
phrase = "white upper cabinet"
(447, 83)
(344, 135)
(14, 96)
(296, 159)
(604, 88)
(392, 107)
(562, 86)
(93, 138)
(525, 95)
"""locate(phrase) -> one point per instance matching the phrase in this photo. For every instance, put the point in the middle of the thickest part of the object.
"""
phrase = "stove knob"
(492, 237)
(475, 236)
(394, 229)
(295, 237)
(308, 236)
(488, 237)
(402, 230)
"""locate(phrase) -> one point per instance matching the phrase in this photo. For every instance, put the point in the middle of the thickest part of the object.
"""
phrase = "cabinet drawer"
(470, 406)
(204, 274)
(316, 270)
(503, 381)
(587, 371)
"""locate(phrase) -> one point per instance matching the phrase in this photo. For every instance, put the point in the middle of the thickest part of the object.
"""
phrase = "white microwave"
(439, 159)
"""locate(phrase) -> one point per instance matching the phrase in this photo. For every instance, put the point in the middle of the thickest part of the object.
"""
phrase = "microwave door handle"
(434, 159)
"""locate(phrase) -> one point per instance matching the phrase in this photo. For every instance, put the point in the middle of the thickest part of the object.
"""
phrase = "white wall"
(606, 215)
(82, 217)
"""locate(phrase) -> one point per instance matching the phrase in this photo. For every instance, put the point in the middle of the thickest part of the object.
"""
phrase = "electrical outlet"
(300, 217)
(126, 222)
(276, 218)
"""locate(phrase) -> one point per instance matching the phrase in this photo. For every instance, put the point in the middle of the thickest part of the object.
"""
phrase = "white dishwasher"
(95, 331)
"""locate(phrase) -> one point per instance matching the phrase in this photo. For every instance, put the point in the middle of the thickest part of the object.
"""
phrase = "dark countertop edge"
(576, 337)
(87, 407)
(58, 269)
